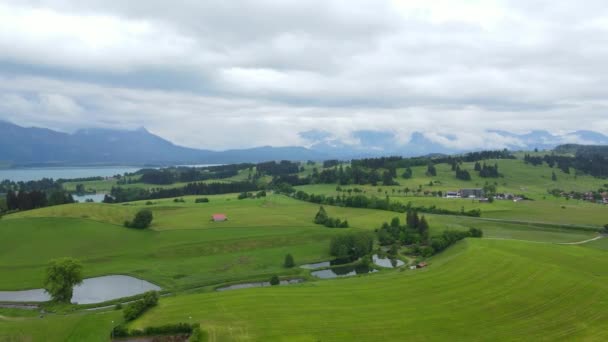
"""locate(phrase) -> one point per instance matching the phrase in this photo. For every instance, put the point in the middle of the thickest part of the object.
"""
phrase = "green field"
(525, 280)
(478, 290)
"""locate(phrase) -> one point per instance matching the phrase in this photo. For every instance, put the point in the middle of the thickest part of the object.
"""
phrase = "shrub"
(198, 335)
(167, 329)
(274, 280)
(142, 219)
(118, 306)
(289, 262)
(137, 308)
(475, 232)
(201, 200)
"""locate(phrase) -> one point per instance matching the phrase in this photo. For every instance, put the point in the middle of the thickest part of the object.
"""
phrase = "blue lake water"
(92, 290)
(29, 174)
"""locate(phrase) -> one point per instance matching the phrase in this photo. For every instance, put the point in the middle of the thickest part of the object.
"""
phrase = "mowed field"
(184, 248)
(477, 290)
(517, 283)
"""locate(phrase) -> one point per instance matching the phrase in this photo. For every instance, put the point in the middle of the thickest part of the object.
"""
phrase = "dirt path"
(582, 242)
(557, 243)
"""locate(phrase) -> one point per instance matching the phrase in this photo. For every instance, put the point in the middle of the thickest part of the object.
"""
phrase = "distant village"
(479, 194)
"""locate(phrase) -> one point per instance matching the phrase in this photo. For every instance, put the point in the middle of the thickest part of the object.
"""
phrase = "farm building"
(219, 217)
(471, 193)
(452, 194)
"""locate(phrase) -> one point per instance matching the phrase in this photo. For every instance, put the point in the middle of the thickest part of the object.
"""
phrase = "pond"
(345, 271)
(97, 198)
(92, 290)
(386, 262)
(257, 284)
(323, 264)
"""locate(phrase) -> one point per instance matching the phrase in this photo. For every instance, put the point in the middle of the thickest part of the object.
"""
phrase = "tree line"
(28, 200)
(362, 201)
(120, 194)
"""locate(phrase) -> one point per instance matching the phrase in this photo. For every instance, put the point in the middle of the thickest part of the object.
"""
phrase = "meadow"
(478, 290)
(516, 283)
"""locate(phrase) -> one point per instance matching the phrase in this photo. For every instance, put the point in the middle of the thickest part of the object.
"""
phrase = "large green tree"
(61, 277)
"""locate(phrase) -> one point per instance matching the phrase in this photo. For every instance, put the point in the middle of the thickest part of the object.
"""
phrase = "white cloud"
(266, 70)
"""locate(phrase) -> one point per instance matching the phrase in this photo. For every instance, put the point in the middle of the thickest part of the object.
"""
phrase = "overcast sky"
(223, 74)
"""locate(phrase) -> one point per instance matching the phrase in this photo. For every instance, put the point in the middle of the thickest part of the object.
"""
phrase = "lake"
(92, 290)
(29, 174)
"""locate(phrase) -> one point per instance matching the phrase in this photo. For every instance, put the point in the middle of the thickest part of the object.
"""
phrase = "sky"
(232, 74)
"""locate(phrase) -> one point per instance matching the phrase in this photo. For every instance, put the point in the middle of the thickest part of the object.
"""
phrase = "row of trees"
(362, 201)
(120, 194)
(27, 200)
(401, 162)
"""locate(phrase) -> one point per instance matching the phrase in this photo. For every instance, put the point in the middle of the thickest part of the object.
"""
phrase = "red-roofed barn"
(219, 217)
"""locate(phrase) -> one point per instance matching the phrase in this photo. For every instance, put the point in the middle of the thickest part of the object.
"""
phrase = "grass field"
(517, 283)
(478, 290)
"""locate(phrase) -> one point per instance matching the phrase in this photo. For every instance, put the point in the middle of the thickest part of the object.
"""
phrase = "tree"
(553, 176)
(431, 170)
(407, 174)
(142, 219)
(321, 216)
(275, 280)
(423, 228)
(387, 178)
(289, 262)
(61, 277)
(605, 230)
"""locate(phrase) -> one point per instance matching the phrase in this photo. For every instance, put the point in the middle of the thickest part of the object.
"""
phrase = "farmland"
(514, 283)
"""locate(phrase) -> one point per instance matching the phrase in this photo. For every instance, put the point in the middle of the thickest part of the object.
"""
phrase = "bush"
(168, 329)
(198, 335)
(142, 219)
(201, 200)
(289, 262)
(118, 306)
(475, 232)
(244, 195)
(137, 308)
(274, 280)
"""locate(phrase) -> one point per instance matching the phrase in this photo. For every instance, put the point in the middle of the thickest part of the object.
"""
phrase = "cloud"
(205, 72)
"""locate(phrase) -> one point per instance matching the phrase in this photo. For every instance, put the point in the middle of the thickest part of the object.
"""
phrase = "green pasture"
(477, 290)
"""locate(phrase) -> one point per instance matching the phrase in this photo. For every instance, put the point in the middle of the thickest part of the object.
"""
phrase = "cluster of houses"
(479, 194)
(474, 193)
(595, 197)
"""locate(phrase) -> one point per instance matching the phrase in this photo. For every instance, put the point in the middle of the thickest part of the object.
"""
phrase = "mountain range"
(32, 146)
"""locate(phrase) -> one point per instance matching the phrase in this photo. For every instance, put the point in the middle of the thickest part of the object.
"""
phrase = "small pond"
(323, 264)
(97, 198)
(257, 284)
(92, 290)
(386, 262)
(345, 271)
